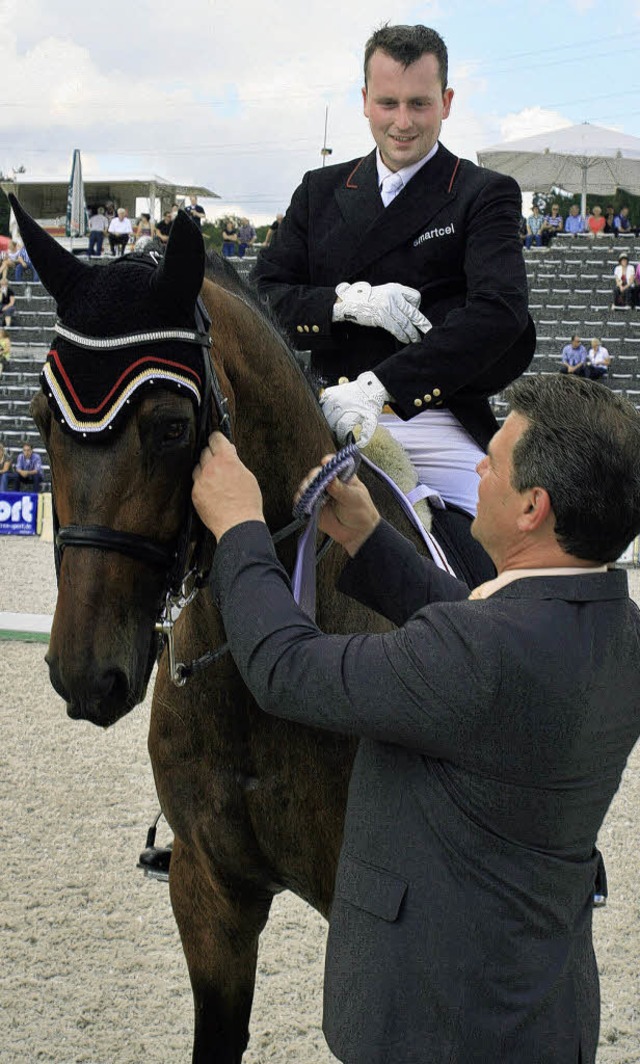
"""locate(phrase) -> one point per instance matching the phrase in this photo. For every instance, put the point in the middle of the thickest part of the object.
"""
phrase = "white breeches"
(444, 454)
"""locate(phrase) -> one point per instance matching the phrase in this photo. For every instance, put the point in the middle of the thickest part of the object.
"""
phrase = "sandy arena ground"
(91, 968)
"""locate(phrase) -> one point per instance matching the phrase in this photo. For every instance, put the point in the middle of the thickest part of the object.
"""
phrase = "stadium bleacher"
(570, 290)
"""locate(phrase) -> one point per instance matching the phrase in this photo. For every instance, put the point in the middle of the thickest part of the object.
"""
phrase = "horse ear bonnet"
(88, 388)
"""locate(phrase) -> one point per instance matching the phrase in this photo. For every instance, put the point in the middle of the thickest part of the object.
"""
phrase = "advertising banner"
(18, 513)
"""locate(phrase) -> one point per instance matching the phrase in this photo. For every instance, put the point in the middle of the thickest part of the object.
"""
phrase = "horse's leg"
(219, 925)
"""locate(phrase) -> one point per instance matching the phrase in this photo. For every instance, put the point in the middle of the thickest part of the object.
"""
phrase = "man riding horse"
(417, 296)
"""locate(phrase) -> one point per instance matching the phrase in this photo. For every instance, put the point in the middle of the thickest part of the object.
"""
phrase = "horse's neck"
(279, 429)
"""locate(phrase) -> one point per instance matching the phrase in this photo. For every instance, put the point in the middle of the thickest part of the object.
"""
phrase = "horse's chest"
(198, 742)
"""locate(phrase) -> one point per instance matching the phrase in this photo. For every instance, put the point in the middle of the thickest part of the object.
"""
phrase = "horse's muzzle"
(92, 712)
(102, 698)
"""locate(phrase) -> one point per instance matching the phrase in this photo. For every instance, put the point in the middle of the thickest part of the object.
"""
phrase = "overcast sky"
(233, 95)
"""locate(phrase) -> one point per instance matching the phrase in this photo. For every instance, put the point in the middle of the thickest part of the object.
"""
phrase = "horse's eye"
(174, 431)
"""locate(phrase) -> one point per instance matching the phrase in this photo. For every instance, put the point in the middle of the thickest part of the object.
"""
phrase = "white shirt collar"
(407, 172)
(484, 591)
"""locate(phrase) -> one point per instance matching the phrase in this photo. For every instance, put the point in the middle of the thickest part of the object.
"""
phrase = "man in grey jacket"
(494, 732)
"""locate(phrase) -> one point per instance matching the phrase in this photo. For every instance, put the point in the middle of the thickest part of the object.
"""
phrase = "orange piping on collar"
(453, 176)
(359, 163)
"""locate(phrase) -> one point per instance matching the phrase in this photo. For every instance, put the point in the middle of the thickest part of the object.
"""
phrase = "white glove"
(356, 404)
(393, 307)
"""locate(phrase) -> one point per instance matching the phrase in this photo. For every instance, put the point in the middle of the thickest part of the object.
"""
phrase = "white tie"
(390, 188)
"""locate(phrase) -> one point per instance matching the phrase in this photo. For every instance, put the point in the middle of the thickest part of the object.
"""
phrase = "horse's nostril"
(99, 697)
(115, 687)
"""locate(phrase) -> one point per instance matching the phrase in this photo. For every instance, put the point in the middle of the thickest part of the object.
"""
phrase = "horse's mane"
(222, 272)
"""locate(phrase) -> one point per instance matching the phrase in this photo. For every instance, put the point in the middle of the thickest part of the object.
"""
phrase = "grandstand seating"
(570, 290)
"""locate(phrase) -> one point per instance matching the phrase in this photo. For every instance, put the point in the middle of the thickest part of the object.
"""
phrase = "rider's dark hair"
(406, 44)
(582, 446)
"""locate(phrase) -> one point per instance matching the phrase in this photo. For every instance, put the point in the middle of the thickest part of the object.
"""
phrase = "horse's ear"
(59, 270)
(180, 275)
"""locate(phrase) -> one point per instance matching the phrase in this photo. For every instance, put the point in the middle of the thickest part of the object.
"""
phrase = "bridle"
(186, 568)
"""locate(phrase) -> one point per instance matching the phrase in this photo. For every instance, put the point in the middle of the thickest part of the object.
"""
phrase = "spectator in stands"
(98, 225)
(596, 222)
(535, 221)
(195, 211)
(120, 230)
(272, 230)
(174, 211)
(624, 286)
(552, 224)
(15, 257)
(163, 228)
(598, 360)
(574, 357)
(622, 224)
(144, 232)
(5, 349)
(246, 237)
(5, 467)
(29, 469)
(608, 220)
(575, 222)
(25, 263)
(109, 211)
(229, 239)
(7, 303)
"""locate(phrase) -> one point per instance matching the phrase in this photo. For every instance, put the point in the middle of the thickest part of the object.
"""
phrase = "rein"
(305, 512)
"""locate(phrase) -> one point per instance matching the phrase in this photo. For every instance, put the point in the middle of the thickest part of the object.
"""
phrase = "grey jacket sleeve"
(388, 575)
(428, 685)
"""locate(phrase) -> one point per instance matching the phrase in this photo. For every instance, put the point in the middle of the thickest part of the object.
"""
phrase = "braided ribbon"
(343, 465)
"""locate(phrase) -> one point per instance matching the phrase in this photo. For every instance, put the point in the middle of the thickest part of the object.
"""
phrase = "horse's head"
(119, 415)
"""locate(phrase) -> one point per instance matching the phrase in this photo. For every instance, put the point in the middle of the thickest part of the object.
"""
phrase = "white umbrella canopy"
(584, 158)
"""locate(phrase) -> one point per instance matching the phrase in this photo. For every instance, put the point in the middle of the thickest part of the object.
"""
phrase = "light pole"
(324, 151)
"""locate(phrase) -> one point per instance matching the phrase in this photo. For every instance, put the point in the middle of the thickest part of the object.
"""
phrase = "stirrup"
(155, 860)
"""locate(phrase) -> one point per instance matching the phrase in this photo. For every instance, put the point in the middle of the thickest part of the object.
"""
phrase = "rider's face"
(405, 107)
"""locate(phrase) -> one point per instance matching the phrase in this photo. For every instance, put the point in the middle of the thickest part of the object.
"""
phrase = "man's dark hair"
(583, 447)
(406, 44)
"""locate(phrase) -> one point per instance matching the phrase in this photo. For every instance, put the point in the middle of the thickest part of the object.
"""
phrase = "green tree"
(212, 231)
(212, 236)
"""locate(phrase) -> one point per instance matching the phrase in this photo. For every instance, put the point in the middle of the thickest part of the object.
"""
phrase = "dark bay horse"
(256, 804)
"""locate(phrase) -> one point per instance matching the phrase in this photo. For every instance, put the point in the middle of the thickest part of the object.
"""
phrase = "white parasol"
(77, 221)
(584, 159)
